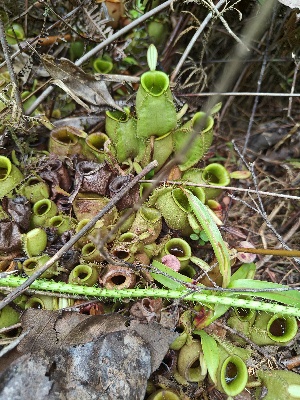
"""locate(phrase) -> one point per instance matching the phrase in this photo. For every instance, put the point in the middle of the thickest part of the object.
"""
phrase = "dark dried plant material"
(10, 237)
(92, 177)
(63, 204)
(56, 174)
(93, 308)
(96, 17)
(19, 209)
(78, 84)
(131, 198)
(147, 309)
(115, 359)
(118, 277)
(70, 259)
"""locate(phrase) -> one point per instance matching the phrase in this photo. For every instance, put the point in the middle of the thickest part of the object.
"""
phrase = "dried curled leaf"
(77, 83)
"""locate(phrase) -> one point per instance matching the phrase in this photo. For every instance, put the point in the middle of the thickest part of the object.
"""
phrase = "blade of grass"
(213, 234)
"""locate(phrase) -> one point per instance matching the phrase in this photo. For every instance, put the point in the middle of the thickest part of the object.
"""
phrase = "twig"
(76, 237)
(10, 67)
(193, 40)
(260, 207)
(13, 344)
(259, 94)
(227, 27)
(263, 227)
(10, 328)
(297, 66)
(199, 295)
(259, 82)
(273, 252)
(286, 237)
(263, 193)
(292, 362)
(264, 215)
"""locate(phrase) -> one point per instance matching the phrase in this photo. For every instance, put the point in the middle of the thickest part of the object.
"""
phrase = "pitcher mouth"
(155, 82)
(5, 168)
(209, 121)
(181, 200)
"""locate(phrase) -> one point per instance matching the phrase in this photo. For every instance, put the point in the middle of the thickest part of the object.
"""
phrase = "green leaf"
(245, 271)
(203, 236)
(152, 56)
(240, 174)
(194, 236)
(168, 282)
(214, 236)
(290, 297)
(200, 263)
(211, 354)
(216, 108)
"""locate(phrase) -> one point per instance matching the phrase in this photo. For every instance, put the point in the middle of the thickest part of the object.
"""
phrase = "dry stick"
(100, 46)
(272, 252)
(291, 95)
(193, 40)
(286, 237)
(256, 347)
(186, 183)
(10, 67)
(206, 94)
(260, 207)
(260, 78)
(76, 237)
(292, 362)
(271, 217)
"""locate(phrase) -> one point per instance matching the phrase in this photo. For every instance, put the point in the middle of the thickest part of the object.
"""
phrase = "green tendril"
(186, 295)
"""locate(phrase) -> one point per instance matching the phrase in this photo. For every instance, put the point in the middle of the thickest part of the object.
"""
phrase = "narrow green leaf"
(216, 108)
(168, 282)
(290, 297)
(211, 353)
(200, 263)
(152, 56)
(245, 271)
(209, 226)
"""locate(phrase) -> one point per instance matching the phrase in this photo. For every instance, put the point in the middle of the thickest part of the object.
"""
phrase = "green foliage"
(199, 236)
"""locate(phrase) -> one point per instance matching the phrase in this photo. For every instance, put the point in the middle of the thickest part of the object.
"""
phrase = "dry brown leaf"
(77, 83)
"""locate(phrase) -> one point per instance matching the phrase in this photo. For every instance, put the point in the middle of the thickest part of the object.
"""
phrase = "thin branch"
(261, 94)
(229, 188)
(259, 83)
(297, 66)
(286, 237)
(273, 252)
(193, 40)
(10, 67)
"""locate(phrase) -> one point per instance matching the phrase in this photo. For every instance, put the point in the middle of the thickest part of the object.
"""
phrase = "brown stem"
(273, 252)
(291, 363)
(47, 41)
